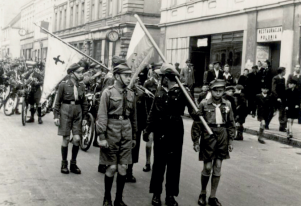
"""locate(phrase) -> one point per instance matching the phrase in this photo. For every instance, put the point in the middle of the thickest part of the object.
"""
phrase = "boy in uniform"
(70, 107)
(116, 131)
(265, 107)
(213, 149)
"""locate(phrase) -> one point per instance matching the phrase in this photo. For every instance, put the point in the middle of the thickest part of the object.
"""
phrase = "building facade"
(235, 32)
(103, 28)
(43, 12)
(27, 19)
(10, 39)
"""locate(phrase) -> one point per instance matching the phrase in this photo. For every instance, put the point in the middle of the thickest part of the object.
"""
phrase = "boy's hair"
(280, 70)
(239, 87)
(255, 67)
(247, 69)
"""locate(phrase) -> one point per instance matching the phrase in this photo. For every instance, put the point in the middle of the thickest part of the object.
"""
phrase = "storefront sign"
(269, 34)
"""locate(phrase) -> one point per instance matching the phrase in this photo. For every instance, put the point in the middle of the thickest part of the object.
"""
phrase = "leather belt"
(120, 117)
(71, 102)
(216, 125)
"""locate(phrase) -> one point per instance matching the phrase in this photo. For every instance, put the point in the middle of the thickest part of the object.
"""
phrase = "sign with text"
(269, 34)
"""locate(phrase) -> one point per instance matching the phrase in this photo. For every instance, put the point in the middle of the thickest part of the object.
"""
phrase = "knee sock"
(39, 112)
(214, 185)
(129, 170)
(148, 151)
(64, 151)
(204, 182)
(120, 186)
(74, 152)
(32, 111)
(108, 186)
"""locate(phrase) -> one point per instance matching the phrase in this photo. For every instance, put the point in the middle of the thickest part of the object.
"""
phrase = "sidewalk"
(252, 127)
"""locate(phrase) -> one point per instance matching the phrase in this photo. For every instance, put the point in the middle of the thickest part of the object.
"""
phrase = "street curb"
(293, 142)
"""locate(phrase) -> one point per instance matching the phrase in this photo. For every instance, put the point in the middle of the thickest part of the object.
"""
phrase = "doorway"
(200, 56)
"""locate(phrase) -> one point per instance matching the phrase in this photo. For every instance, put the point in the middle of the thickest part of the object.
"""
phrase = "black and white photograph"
(150, 102)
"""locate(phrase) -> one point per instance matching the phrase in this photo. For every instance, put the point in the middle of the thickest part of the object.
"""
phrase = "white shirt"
(216, 73)
(297, 75)
(264, 95)
(227, 75)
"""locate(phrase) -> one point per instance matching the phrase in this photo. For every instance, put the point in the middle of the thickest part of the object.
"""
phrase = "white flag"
(59, 58)
(141, 51)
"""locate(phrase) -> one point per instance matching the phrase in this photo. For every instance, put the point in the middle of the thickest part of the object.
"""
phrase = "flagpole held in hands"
(79, 51)
(177, 79)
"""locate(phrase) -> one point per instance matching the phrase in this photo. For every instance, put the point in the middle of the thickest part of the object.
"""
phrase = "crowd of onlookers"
(259, 92)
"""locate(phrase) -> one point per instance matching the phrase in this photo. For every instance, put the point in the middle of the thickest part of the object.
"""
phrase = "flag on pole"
(59, 58)
(141, 51)
(45, 25)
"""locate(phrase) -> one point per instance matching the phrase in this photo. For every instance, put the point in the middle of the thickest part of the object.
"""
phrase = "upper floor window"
(61, 20)
(76, 15)
(100, 9)
(83, 14)
(71, 16)
(110, 7)
(120, 5)
(93, 10)
(65, 18)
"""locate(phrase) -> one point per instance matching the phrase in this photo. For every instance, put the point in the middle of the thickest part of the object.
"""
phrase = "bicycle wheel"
(24, 112)
(88, 133)
(9, 105)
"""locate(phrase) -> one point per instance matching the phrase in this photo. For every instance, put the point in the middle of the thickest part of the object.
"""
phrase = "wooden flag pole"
(177, 79)
(79, 51)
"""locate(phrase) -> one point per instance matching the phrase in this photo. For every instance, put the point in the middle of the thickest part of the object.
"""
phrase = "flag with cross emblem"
(59, 58)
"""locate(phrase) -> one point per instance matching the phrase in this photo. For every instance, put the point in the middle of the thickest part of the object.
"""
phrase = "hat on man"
(216, 62)
(239, 87)
(156, 65)
(116, 60)
(92, 65)
(122, 68)
(292, 81)
(30, 64)
(230, 88)
(168, 69)
(75, 67)
(217, 83)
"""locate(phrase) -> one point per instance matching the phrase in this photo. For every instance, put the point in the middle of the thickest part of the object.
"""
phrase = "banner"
(141, 51)
(59, 58)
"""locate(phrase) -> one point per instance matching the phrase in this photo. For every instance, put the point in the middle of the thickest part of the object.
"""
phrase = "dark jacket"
(278, 87)
(265, 76)
(211, 75)
(241, 108)
(265, 105)
(298, 80)
(292, 98)
(253, 84)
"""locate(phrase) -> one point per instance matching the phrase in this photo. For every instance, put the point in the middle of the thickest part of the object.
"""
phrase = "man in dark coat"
(278, 90)
(253, 88)
(297, 77)
(216, 73)
(265, 74)
(243, 80)
(166, 123)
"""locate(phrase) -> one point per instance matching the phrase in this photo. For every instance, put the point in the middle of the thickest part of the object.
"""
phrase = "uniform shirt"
(36, 76)
(207, 110)
(111, 103)
(66, 93)
(187, 76)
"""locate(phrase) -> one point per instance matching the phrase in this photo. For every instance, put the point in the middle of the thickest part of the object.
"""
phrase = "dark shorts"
(214, 148)
(70, 120)
(119, 137)
(34, 97)
(293, 113)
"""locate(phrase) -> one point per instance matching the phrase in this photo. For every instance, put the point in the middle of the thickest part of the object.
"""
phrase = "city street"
(30, 172)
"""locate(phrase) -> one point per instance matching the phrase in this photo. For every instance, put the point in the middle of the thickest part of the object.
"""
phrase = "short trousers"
(70, 120)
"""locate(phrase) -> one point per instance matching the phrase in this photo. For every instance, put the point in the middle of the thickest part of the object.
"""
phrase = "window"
(65, 18)
(76, 15)
(100, 9)
(83, 14)
(61, 20)
(120, 5)
(55, 22)
(110, 8)
(93, 10)
(71, 16)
